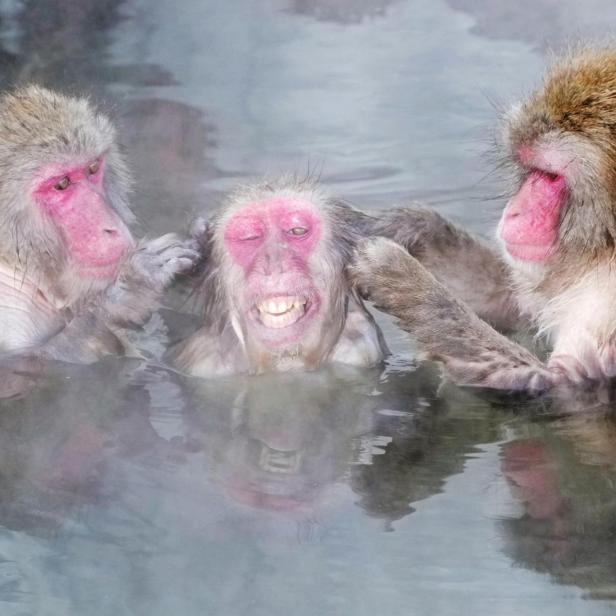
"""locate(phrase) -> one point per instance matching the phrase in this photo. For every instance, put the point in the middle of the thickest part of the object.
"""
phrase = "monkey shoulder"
(28, 315)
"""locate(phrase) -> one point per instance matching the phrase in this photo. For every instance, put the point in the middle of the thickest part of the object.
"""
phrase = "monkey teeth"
(279, 312)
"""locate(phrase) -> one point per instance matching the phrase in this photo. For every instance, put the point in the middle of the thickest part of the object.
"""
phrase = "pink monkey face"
(530, 222)
(273, 242)
(74, 198)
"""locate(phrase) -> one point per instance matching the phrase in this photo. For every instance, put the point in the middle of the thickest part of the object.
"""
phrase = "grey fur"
(347, 327)
(39, 127)
(483, 283)
(447, 328)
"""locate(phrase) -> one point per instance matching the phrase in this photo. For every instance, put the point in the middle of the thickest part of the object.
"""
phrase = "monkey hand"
(155, 263)
(145, 275)
(200, 229)
(201, 232)
(381, 270)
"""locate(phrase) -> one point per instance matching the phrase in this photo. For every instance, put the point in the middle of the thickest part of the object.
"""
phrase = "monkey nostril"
(112, 232)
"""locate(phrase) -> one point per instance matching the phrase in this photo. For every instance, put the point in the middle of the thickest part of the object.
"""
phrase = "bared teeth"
(278, 312)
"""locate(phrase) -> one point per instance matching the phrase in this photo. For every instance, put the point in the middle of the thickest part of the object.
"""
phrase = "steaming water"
(128, 490)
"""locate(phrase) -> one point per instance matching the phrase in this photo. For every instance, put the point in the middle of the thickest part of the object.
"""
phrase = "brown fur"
(570, 297)
(578, 99)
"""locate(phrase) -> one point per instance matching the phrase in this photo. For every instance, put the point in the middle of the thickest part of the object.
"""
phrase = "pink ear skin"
(529, 226)
(74, 198)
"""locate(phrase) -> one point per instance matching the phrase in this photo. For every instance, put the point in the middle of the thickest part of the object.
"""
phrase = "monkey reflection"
(562, 474)
(285, 440)
(58, 438)
(282, 439)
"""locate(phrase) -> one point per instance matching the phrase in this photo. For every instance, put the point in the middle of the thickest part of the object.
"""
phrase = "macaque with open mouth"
(275, 293)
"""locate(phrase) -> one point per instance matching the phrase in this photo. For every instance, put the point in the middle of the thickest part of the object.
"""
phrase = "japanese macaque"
(558, 235)
(71, 273)
(274, 288)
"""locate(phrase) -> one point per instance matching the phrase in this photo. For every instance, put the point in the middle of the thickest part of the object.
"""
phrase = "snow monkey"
(71, 273)
(558, 240)
(275, 292)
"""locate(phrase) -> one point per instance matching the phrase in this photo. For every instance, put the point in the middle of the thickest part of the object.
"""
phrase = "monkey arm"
(446, 328)
(128, 302)
(144, 277)
(84, 340)
(470, 269)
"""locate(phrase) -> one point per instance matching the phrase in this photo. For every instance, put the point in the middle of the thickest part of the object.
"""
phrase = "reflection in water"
(284, 453)
(563, 475)
(64, 43)
(128, 470)
(168, 144)
(342, 11)
(545, 24)
(174, 479)
(127, 489)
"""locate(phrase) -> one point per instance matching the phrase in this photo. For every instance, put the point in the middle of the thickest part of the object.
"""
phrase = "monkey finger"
(179, 264)
(199, 228)
(161, 243)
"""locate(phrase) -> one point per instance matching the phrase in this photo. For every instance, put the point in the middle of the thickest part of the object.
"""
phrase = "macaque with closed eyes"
(558, 239)
(71, 274)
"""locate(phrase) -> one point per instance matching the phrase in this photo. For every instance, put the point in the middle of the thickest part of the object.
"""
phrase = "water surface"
(127, 489)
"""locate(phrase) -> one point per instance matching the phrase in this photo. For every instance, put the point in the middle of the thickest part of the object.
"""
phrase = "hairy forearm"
(471, 269)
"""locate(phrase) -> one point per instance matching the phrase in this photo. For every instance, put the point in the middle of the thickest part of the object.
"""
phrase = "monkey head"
(283, 270)
(561, 143)
(63, 190)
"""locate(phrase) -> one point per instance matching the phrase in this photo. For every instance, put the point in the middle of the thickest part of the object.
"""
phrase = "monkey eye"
(298, 231)
(63, 184)
(94, 167)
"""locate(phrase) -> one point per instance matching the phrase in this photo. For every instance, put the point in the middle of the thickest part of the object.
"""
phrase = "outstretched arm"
(445, 327)
(468, 267)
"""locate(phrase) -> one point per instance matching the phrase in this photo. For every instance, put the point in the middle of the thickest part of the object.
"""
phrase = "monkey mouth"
(281, 311)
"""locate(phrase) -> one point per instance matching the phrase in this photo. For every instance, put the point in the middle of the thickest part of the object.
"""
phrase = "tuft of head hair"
(574, 114)
(578, 97)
